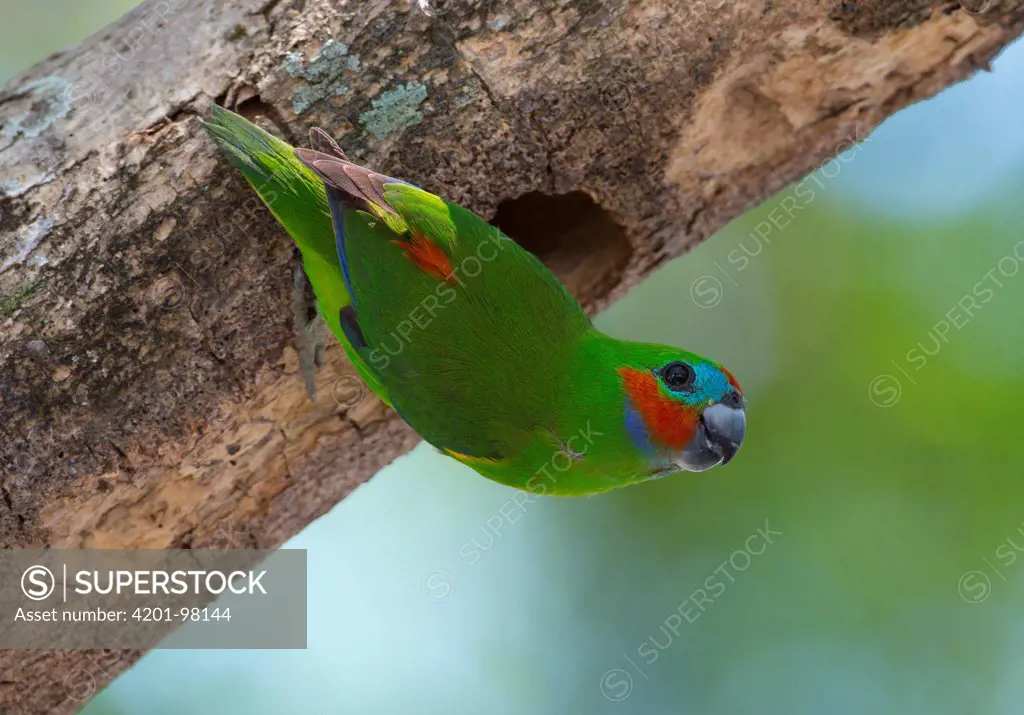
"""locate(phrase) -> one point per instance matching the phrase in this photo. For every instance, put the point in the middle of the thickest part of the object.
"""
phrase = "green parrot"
(473, 341)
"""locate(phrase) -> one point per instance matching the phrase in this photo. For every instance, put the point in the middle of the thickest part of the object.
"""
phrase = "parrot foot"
(311, 342)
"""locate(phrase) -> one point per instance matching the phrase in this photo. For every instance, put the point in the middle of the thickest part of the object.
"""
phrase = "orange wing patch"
(428, 257)
(670, 423)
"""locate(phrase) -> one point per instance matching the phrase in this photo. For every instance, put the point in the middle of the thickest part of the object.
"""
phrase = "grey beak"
(725, 424)
(718, 437)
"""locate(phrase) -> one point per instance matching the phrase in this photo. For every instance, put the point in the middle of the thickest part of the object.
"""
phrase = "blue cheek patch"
(638, 430)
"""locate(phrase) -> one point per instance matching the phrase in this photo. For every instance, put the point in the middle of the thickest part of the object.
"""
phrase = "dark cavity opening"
(577, 239)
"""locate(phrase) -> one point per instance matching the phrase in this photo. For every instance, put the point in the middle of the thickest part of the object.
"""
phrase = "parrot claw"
(311, 342)
(311, 354)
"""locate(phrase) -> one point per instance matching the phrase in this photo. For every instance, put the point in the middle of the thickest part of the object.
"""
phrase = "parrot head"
(682, 411)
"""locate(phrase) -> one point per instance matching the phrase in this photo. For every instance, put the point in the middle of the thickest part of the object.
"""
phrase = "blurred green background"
(877, 331)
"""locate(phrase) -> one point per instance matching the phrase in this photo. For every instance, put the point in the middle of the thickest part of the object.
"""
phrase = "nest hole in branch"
(573, 235)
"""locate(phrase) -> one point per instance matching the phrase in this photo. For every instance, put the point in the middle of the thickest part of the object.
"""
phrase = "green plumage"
(468, 336)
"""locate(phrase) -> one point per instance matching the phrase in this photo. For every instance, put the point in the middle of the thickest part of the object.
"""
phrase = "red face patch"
(428, 257)
(732, 380)
(671, 424)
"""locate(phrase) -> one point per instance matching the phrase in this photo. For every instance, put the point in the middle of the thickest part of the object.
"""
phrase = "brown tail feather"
(357, 184)
(324, 143)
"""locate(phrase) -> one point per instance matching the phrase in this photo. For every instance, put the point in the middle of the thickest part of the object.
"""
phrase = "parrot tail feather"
(325, 144)
(359, 187)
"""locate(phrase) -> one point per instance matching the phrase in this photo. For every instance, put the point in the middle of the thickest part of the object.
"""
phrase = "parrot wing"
(471, 335)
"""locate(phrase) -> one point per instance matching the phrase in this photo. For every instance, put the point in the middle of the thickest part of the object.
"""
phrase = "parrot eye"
(678, 376)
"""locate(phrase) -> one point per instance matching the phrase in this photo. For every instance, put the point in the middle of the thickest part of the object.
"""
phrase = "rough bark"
(150, 392)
